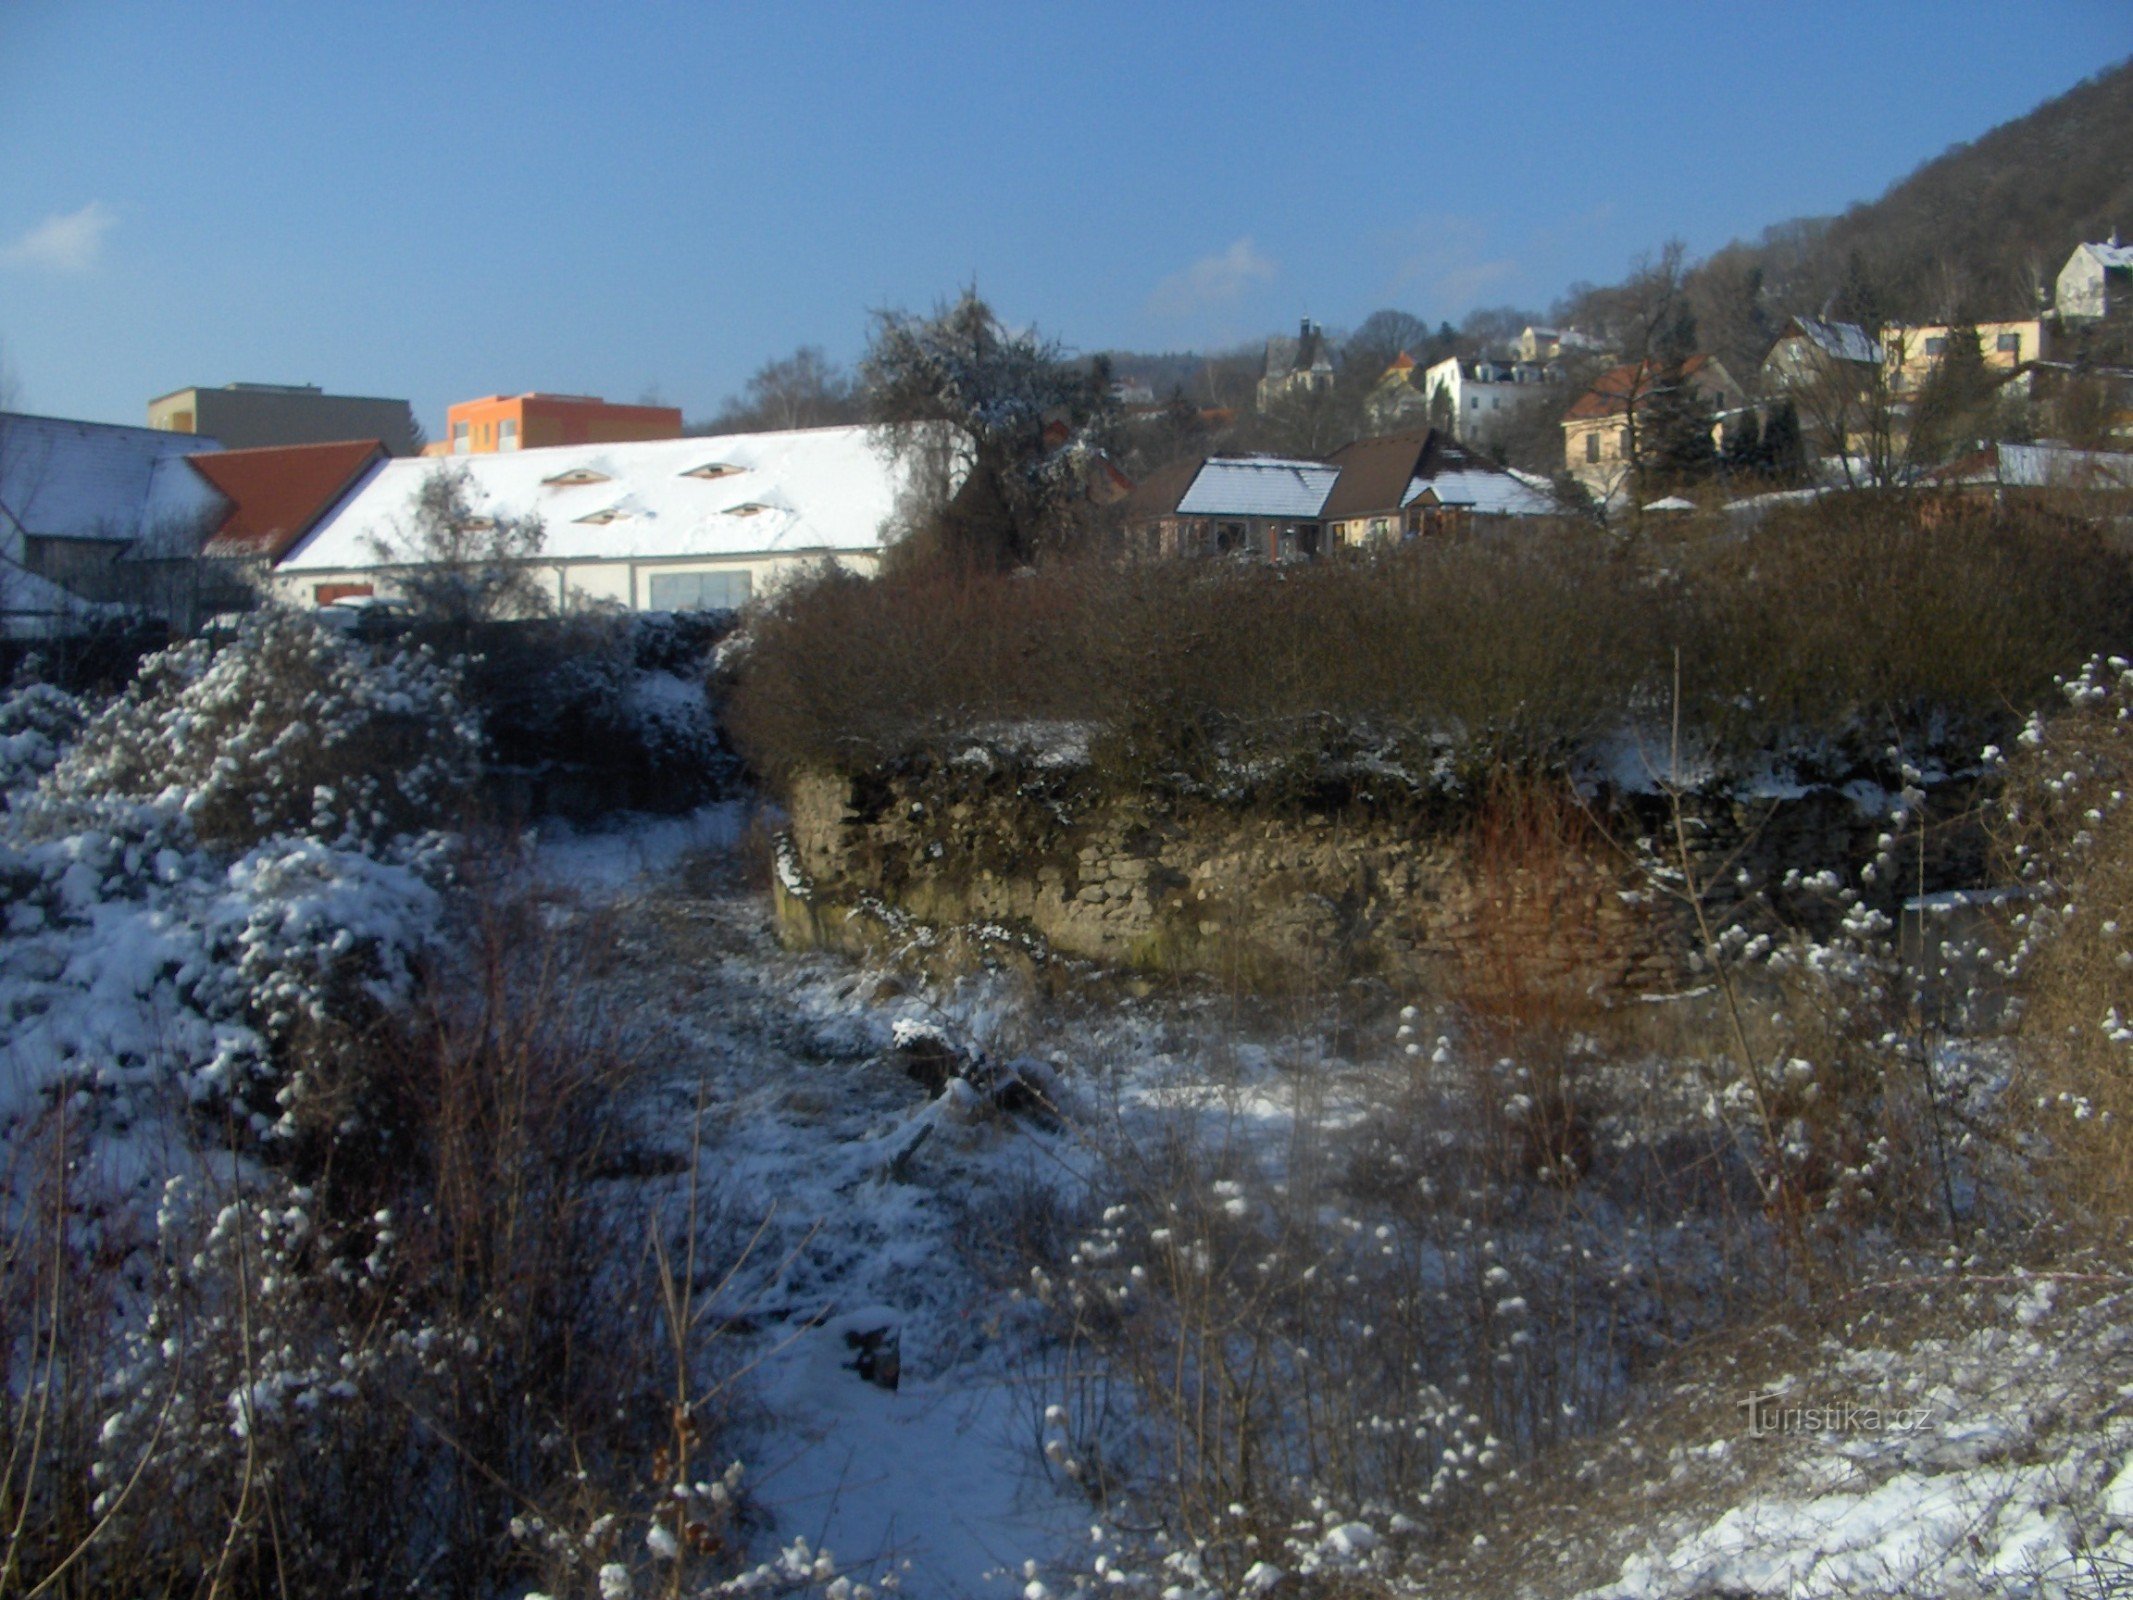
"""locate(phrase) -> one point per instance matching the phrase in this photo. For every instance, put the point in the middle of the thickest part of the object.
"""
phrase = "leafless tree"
(803, 390)
(460, 566)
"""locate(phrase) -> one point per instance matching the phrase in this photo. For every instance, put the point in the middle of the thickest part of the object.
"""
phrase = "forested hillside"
(1979, 231)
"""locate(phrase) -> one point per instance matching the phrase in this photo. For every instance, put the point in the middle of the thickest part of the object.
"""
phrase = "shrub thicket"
(1829, 634)
(2070, 837)
(620, 696)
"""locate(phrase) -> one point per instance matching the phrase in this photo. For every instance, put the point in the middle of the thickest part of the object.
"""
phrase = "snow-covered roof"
(99, 480)
(2110, 253)
(733, 495)
(1840, 341)
(1258, 486)
(1487, 493)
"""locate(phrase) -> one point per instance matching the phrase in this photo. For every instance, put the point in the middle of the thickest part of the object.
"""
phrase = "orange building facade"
(531, 421)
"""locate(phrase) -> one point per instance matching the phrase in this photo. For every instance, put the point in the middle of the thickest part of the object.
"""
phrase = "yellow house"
(1910, 353)
(1599, 430)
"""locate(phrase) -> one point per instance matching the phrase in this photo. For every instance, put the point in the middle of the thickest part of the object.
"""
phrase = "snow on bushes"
(138, 951)
(289, 729)
(37, 723)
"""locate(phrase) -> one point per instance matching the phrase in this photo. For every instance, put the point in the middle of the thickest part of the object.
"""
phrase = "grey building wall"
(245, 416)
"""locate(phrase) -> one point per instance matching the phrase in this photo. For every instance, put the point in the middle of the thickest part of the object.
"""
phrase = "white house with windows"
(1481, 398)
(2096, 280)
(661, 525)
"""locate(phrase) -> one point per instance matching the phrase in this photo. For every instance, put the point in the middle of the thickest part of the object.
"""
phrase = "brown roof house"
(1372, 492)
(278, 494)
(1419, 484)
(1600, 430)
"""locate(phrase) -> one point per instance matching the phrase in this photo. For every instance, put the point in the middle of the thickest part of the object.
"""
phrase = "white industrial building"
(662, 525)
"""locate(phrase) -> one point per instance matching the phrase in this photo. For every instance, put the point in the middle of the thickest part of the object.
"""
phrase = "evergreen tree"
(1955, 402)
(1784, 451)
(1743, 453)
(1672, 424)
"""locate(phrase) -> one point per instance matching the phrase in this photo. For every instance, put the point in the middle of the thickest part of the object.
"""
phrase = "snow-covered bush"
(620, 698)
(290, 728)
(37, 723)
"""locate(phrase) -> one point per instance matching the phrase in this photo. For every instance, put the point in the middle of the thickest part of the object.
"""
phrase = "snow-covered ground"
(852, 1205)
(866, 1206)
(890, 1376)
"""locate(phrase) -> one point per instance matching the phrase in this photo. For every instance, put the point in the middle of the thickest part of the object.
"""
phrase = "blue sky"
(442, 201)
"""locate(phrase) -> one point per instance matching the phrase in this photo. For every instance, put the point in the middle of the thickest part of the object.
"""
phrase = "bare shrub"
(1868, 620)
(1342, 1355)
(1832, 632)
(1535, 972)
(440, 1350)
(2069, 837)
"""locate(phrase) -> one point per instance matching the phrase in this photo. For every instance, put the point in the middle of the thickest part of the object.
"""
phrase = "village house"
(1480, 399)
(96, 517)
(2100, 480)
(1374, 491)
(1810, 353)
(272, 498)
(661, 525)
(1264, 506)
(1600, 429)
(1911, 352)
(245, 416)
(535, 421)
(1553, 344)
(1302, 365)
(1396, 398)
(2096, 280)
(1421, 484)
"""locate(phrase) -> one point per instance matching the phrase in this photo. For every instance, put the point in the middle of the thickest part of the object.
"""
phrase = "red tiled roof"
(277, 493)
(1614, 390)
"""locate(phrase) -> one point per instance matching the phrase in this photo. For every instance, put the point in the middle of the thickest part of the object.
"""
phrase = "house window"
(459, 438)
(507, 437)
(1936, 346)
(1592, 447)
(1475, 403)
(574, 477)
(712, 469)
(699, 591)
(2009, 344)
